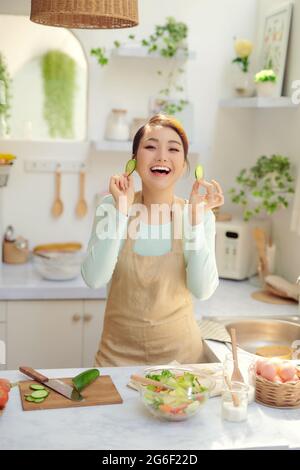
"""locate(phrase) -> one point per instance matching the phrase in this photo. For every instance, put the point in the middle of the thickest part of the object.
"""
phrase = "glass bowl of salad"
(187, 394)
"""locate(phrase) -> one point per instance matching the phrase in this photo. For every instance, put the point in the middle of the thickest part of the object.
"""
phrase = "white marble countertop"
(21, 282)
(231, 298)
(130, 426)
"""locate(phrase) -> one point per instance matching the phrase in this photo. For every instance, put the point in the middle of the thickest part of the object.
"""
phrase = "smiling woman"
(149, 317)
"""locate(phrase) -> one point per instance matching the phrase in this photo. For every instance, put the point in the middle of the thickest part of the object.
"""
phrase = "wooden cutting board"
(100, 392)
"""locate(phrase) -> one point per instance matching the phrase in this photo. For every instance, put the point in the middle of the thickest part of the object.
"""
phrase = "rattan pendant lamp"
(85, 14)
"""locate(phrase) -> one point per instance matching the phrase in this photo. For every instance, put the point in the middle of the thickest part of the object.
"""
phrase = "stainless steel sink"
(255, 332)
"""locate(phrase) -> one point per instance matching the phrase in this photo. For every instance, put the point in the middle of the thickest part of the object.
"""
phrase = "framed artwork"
(275, 41)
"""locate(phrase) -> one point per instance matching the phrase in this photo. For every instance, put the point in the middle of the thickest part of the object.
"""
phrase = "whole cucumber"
(85, 378)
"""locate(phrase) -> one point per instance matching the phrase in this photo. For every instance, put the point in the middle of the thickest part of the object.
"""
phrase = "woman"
(149, 316)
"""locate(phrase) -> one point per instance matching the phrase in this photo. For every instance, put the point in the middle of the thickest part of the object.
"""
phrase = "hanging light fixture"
(85, 14)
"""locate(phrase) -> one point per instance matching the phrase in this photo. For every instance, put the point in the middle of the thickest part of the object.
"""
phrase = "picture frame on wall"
(277, 24)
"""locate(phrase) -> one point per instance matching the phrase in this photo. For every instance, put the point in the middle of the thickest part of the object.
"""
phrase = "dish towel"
(295, 220)
(213, 370)
(213, 330)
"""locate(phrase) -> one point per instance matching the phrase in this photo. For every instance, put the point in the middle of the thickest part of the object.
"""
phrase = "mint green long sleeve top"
(154, 240)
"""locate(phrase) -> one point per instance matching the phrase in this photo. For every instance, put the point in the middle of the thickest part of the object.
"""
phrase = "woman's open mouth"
(160, 171)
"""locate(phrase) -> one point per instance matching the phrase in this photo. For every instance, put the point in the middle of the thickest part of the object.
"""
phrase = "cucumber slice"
(37, 387)
(199, 172)
(130, 166)
(39, 400)
(39, 394)
(85, 378)
(29, 398)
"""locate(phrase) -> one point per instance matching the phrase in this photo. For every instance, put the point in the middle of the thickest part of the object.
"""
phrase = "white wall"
(212, 23)
(277, 131)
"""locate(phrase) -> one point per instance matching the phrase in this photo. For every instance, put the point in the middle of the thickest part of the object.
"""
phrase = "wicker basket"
(94, 14)
(277, 395)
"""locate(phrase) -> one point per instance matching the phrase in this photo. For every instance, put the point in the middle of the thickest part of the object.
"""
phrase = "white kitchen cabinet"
(44, 334)
(93, 316)
(2, 346)
(53, 334)
(2, 311)
(3, 306)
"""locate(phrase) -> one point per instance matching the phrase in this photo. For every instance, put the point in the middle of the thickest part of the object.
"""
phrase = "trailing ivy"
(59, 77)
(269, 182)
(5, 77)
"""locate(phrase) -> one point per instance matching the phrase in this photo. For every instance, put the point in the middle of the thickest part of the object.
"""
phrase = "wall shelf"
(45, 148)
(258, 102)
(126, 147)
(140, 52)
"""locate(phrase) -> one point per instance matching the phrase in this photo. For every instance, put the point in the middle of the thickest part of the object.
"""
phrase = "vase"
(242, 82)
(266, 89)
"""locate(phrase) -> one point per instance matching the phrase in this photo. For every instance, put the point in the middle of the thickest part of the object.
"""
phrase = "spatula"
(81, 208)
(58, 206)
(236, 374)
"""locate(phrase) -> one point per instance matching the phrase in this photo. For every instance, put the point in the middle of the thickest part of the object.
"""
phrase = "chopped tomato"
(179, 409)
(166, 408)
(5, 384)
(3, 397)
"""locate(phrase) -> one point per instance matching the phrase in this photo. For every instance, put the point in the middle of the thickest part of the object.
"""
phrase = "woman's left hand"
(212, 198)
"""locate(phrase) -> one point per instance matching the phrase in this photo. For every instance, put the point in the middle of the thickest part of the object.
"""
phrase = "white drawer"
(3, 311)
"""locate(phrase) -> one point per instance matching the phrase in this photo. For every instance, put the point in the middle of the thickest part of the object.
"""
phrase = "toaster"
(236, 253)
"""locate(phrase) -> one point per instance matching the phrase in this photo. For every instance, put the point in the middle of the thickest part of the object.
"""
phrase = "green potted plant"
(59, 77)
(169, 41)
(265, 187)
(265, 81)
(242, 77)
(5, 83)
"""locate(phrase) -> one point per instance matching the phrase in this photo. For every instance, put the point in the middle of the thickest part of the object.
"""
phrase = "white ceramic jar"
(117, 127)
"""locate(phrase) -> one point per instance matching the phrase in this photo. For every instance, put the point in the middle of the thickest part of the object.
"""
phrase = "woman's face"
(160, 157)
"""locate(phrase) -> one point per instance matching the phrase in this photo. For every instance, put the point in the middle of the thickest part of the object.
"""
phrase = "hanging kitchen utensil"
(105, 14)
(57, 208)
(81, 207)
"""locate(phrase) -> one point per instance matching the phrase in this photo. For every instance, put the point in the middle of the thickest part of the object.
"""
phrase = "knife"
(57, 385)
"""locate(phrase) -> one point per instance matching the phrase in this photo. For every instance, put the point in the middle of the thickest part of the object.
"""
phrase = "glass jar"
(247, 368)
(117, 127)
(242, 82)
(235, 402)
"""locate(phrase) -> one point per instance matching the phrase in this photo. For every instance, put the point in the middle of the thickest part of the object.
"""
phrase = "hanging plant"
(267, 185)
(4, 90)
(59, 76)
(169, 41)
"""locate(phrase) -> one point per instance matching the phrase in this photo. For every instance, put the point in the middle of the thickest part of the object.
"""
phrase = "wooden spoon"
(236, 374)
(81, 208)
(58, 207)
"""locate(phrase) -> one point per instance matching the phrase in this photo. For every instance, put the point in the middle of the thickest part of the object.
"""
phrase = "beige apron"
(149, 317)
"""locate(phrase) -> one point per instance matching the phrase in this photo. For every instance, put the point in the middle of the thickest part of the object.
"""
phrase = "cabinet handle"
(87, 317)
(76, 318)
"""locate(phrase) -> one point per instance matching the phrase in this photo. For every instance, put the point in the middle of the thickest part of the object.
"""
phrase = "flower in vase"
(243, 49)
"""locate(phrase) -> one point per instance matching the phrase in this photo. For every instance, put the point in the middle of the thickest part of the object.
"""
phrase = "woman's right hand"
(122, 189)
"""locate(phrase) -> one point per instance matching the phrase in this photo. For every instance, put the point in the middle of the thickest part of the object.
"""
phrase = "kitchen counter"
(231, 298)
(131, 426)
(22, 282)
